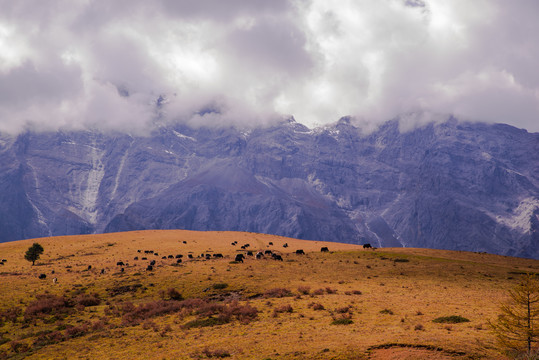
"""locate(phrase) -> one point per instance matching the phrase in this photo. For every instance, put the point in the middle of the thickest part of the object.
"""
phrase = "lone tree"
(517, 327)
(33, 252)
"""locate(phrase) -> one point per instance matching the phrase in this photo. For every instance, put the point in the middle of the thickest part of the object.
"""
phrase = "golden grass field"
(388, 298)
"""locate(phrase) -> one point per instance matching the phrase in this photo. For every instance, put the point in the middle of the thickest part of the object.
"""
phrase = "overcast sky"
(125, 64)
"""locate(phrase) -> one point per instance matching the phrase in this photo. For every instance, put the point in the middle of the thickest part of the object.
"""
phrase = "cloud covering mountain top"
(124, 65)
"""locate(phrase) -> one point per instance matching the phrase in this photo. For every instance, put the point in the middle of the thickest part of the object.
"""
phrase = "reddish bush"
(277, 293)
(10, 314)
(49, 338)
(344, 310)
(88, 300)
(316, 306)
(216, 353)
(135, 314)
(47, 304)
(304, 290)
(331, 291)
(284, 308)
(174, 294)
(76, 331)
(318, 292)
(19, 347)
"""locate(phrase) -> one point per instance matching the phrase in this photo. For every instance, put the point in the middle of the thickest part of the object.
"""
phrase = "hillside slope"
(346, 303)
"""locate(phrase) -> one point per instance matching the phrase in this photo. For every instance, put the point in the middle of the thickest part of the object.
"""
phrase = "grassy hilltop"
(348, 303)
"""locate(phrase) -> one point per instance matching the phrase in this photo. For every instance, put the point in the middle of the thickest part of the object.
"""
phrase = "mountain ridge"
(451, 185)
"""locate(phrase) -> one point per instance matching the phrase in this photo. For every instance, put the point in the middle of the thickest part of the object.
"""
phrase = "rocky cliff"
(452, 185)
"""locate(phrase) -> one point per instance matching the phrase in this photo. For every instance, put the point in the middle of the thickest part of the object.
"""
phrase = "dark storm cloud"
(105, 63)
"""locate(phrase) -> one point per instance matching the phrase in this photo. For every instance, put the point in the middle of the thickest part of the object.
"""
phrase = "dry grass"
(255, 309)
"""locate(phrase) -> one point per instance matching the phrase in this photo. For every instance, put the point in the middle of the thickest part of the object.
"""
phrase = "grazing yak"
(367, 246)
(324, 249)
(42, 276)
(285, 245)
(267, 252)
(300, 252)
(179, 256)
(120, 263)
(259, 255)
(149, 268)
(152, 262)
(190, 256)
(239, 258)
(277, 257)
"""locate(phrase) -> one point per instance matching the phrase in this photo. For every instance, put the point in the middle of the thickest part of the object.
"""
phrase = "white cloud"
(104, 64)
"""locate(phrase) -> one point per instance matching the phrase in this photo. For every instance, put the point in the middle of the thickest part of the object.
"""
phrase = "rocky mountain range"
(450, 185)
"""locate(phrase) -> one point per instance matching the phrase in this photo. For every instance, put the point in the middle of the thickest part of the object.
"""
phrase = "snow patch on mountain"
(182, 136)
(521, 216)
(93, 183)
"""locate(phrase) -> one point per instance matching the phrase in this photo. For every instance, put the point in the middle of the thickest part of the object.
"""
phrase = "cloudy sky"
(126, 64)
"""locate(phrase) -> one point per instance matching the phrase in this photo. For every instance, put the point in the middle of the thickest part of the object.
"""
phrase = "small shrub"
(318, 292)
(88, 300)
(149, 324)
(453, 319)
(173, 294)
(98, 325)
(283, 309)
(386, 311)
(401, 260)
(219, 286)
(76, 331)
(277, 293)
(216, 353)
(331, 291)
(343, 310)
(317, 306)
(49, 338)
(211, 321)
(10, 314)
(342, 321)
(419, 327)
(19, 347)
(304, 290)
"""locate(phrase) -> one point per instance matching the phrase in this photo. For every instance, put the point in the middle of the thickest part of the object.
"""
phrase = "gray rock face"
(452, 185)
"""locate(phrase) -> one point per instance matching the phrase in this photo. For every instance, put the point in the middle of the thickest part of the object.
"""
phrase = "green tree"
(33, 252)
(517, 327)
